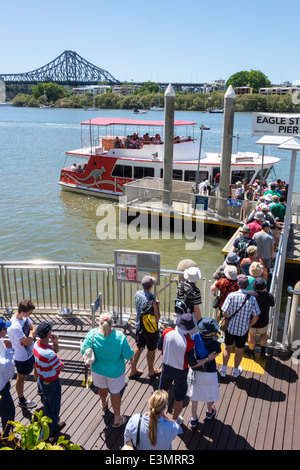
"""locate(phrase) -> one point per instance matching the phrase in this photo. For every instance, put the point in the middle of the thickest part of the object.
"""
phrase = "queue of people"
(188, 353)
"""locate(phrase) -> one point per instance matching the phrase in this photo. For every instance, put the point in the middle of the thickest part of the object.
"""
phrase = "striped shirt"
(239, 325)
(48, 365)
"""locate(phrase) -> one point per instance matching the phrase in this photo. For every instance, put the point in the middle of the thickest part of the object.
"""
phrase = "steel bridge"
(69, 68)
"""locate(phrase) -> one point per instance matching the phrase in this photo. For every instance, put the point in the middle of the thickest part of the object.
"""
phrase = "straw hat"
(256, 269)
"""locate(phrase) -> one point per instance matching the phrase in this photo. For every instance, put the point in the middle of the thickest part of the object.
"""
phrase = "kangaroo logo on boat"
(96, 174)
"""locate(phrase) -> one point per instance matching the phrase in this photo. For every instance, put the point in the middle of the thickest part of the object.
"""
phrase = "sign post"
(131, 267)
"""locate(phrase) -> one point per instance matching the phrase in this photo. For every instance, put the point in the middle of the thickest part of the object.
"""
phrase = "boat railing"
(71, 289)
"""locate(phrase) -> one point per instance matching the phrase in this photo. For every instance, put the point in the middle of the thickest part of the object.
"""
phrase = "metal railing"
(149, 192)
(55, 287)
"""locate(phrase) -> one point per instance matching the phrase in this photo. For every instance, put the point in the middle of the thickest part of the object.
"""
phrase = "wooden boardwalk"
(256, 411)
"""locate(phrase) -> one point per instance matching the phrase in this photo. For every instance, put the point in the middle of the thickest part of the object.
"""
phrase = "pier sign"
(132, 266)
(275, 124)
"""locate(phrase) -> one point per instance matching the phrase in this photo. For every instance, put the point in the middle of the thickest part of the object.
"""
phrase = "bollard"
(294, 324)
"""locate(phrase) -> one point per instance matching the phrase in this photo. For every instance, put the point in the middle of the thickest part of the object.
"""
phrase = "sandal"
(156, 373)
(136, 375)
(122, 421)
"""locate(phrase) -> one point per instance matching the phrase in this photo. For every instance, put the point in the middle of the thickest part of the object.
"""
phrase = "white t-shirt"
(15, 333)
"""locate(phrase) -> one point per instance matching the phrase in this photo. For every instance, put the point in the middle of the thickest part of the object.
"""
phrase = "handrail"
(58, 286)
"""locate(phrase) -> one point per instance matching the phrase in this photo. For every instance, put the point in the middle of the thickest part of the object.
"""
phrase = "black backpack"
(241, 248)
(182, 304)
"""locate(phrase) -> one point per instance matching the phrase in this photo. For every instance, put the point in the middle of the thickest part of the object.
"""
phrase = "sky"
(159, 40)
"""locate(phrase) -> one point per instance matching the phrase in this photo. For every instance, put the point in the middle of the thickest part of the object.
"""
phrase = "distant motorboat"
(215, 110)
(139, 111)
(156, 108)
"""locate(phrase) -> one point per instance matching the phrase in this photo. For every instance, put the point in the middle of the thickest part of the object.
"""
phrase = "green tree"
(52, 91)
(253, 78)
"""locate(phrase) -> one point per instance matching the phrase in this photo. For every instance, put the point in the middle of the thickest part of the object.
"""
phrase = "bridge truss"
(67, 69)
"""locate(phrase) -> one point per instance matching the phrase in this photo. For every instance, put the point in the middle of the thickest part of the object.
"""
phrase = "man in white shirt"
(7, 370)
(21, 334)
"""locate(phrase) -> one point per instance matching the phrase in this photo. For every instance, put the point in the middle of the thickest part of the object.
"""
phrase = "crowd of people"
(242, 295)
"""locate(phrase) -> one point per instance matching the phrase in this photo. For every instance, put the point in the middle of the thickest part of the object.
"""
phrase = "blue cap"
(4, 324)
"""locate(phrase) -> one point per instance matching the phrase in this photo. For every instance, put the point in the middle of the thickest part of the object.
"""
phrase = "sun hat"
(256, 269)
(148, 281)
(232, 258)
(259, 215)
(264, 207)
(243, 281)
(4, 324)
(231, 272)
(268, 197)
(207, 325)
(245, 229)
(185, 322)
(259, 283)
(192, 274)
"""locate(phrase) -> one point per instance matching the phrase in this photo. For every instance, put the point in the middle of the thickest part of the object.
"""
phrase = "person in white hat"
(255, 226)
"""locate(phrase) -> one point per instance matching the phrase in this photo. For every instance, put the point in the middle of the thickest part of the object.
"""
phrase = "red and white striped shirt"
(176, 346)
(48, 364)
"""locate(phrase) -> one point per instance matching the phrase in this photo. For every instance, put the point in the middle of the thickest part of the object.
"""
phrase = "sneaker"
(237, 372)
(193, 422)
(27, 404)
(179, 420)
(222, 372)
(211, 414)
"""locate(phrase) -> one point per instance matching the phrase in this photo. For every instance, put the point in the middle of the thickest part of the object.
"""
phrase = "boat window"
(190, 175)
(242, 175)
(122, 171)
(177, 175)
(141, 172)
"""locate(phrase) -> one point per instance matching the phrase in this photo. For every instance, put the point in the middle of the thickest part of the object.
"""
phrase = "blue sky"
(157, 40)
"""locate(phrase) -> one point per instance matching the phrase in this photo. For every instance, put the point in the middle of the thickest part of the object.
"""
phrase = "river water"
(39, 221)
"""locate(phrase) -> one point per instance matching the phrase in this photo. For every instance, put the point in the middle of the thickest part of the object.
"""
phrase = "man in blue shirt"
(144, 339)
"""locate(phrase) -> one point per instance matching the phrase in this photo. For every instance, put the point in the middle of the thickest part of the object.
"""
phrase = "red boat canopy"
(131, 122)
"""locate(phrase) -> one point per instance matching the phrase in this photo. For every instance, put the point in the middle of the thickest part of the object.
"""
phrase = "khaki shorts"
(259, 331)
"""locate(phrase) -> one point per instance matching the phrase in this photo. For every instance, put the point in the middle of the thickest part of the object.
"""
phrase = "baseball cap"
(4, 324)
(148, 281)
(44, 328)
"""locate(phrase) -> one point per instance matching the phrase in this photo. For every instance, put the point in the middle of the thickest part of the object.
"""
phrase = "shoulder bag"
(216, 302)
(129, 444)
(223, 325)
(89, 355)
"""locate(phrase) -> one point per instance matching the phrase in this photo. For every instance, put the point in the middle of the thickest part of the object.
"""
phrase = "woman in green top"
(111, 350)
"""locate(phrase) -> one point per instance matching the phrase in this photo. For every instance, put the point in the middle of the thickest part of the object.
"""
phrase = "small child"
(203, 385)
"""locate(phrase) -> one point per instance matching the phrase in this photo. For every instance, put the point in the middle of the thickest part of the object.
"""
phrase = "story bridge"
(69, 68)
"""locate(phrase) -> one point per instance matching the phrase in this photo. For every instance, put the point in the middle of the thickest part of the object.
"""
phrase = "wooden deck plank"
(253, 412)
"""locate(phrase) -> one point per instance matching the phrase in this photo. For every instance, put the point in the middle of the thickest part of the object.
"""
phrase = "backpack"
(148, 322)
(241, 248)
(200, 346)
(182, 305)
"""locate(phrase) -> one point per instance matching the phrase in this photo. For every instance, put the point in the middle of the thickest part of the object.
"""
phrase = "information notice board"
(132, 266)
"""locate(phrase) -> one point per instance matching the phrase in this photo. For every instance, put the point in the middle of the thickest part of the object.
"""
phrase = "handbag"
(89, 355)
(129, 444)
(216, 302)
(223, 325)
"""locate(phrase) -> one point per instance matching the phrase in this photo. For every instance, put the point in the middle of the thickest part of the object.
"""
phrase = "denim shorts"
(25, 367)
(179, 377)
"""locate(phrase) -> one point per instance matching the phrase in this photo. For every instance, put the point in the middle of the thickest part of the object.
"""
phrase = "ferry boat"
(117, 151)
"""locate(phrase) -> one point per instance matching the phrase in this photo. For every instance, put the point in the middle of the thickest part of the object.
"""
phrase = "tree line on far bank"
(57, 96)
